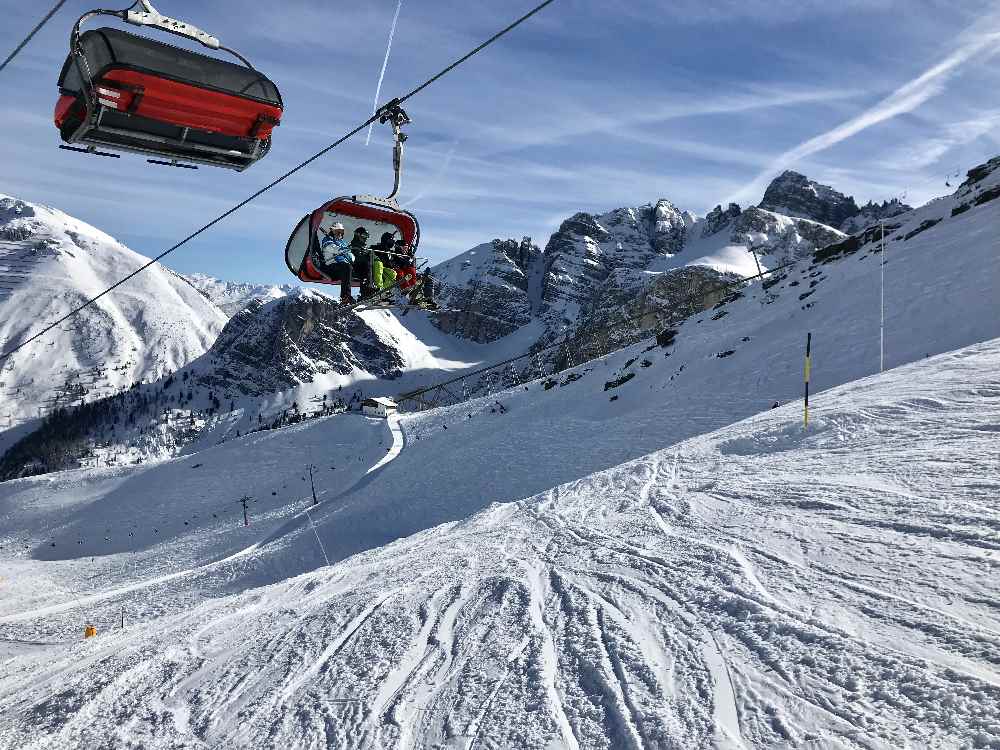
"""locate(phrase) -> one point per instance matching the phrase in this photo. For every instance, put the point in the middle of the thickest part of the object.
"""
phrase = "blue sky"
(587, 107)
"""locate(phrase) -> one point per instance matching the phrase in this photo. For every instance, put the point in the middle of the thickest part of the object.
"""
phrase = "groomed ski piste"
(637, 553)
(760, 586)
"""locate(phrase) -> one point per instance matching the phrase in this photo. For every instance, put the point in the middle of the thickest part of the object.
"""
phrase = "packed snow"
(762, 586)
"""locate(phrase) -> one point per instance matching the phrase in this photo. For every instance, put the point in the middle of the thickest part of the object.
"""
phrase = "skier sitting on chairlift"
(363, 262)
(382, 264)
(335, 260)
(421, 295)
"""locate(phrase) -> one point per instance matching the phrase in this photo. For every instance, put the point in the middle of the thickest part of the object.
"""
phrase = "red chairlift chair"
(377, 215)
(126, 92)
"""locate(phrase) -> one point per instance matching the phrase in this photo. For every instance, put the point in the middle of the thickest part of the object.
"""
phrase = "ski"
(373, 301)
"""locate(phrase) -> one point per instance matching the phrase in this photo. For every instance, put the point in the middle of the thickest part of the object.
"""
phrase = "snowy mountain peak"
(233, 296)
(51, 263)
(794, 194)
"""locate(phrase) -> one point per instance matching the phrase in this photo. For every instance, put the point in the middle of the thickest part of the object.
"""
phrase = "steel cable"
(35, 336)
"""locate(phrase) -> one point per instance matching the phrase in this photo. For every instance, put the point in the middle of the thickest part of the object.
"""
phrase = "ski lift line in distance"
(274, 183)
(31, 35)
(126, 92)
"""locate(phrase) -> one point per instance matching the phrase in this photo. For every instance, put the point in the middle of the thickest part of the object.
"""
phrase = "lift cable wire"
(374, 118)
(415, 395)
(34, 31)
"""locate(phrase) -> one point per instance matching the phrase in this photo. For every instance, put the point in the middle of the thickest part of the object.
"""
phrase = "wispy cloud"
(905, 99)
(569, 121)
(928, 151)
(432, 184)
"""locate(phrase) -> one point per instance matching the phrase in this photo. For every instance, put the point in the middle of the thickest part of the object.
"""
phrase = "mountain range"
(247, 355)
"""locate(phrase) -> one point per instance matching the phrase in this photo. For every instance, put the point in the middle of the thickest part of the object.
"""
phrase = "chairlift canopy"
(127, 92)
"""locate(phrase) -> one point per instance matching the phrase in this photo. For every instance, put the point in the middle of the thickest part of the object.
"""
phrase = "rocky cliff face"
(795, 195)
(872, 213)
(591, 257)
(718, 219)
(976, 189)
(783, 237)
(487, 292)
(623, 264)
(292, 340)
(670, 297)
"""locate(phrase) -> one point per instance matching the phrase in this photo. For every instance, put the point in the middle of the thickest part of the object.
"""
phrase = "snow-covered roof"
(380, 400)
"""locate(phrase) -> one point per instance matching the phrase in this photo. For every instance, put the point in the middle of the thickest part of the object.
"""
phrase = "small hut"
(379, 407)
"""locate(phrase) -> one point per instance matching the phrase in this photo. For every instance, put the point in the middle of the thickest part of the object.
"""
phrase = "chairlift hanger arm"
(394, 114)
(147, 15)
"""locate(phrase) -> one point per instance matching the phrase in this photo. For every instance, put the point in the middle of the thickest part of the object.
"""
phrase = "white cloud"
(573, 121)
(904, 99)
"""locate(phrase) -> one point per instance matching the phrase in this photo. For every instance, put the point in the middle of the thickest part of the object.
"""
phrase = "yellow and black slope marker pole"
(808, 369)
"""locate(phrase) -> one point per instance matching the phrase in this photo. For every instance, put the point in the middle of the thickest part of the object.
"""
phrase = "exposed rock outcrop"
(782, 237)
(486, 292)
(795, 195)
(268, 348)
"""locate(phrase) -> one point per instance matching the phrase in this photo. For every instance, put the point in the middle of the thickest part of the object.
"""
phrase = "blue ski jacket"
(335, 251)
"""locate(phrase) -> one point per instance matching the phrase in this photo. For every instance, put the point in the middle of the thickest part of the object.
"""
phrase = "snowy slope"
(763, 586)
(727, 363)
(49, 264)
(295, 358)
(233, 296)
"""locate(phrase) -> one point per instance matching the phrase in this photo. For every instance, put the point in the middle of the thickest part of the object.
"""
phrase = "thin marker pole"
(881, 330)
(320, 541)
(808, 369)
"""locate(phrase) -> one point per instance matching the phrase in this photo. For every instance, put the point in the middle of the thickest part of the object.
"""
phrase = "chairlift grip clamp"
(149, 16)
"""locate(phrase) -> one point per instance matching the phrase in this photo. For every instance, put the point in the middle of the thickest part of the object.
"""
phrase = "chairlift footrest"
(91, 151)
(172, 164)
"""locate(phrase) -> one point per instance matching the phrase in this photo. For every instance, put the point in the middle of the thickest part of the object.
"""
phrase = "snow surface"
(762, 586)
(49, 264)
